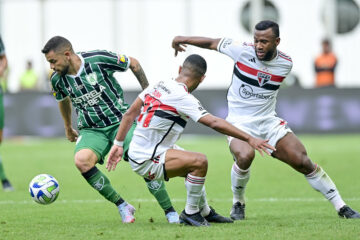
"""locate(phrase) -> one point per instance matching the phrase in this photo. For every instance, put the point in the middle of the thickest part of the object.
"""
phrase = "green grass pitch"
(280, 202)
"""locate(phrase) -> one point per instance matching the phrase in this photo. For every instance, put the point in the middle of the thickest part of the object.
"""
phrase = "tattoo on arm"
(140, 75)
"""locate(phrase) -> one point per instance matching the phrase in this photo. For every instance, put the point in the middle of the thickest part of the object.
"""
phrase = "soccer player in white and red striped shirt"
(163, 111)
(259, 70)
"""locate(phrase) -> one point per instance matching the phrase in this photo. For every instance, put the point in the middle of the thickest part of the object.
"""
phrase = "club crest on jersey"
(92, 78)
(263, 78)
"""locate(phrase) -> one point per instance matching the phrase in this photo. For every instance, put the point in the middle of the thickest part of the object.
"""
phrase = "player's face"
(59, 62)
(265, 44)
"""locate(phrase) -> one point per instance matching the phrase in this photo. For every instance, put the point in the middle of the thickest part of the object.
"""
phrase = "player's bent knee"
(201, 161)
(82, 162)
(244, 156)
(303, 164)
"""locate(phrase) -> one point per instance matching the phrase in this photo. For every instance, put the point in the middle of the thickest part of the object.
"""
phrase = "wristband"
(118, 143)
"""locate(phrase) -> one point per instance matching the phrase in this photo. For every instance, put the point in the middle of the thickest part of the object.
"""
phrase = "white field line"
(82, 201)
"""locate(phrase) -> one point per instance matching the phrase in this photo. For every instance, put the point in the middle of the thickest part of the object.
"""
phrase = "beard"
(268, 56)
(64, 71)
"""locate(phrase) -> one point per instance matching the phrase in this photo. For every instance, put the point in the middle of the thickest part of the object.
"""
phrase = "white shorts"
(268, 127)
(151, 168)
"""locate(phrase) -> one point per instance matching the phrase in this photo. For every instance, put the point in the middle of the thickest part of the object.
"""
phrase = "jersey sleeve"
(191, 107)
(230, 47)
(56, 90)
(120, 62)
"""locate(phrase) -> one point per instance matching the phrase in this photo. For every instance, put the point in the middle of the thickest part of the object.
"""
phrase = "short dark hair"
(326, 41)
(57, 43)
(196, 64)
(266, 24)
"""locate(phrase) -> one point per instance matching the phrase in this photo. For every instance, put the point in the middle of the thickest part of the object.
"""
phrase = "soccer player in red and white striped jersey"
(163, 111)
(259, 70)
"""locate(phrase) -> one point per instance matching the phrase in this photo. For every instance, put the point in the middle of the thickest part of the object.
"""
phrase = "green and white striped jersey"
(94, 92)
(2, 47)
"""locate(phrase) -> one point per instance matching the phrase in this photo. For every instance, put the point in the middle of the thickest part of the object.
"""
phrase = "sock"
(102, 184)
(203, 204)
(158, 190)
(321, 182)
(239, 179)
(194, 186)
(2, 172)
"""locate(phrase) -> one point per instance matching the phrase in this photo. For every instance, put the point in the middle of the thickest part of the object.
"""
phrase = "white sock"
(321, 182)
(194, 186)
(239, 179)
(203, 204)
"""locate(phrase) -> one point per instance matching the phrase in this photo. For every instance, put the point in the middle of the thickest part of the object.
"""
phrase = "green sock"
(2, 172)
(158, 190)
(101, 183)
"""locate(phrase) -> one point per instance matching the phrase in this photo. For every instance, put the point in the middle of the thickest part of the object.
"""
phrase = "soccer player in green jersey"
(86, 81)
(3, 65)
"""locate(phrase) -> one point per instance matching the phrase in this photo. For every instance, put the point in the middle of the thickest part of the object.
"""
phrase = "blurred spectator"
(29, 79)
(325, 65)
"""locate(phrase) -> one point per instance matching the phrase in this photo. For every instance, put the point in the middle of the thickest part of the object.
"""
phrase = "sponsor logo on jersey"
(252, 60)
(247, 92)
(92, 78)
(79, 87)
(91, 98)
(263, 78)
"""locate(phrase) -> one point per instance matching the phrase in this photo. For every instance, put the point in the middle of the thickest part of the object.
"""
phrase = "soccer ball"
(44, 189)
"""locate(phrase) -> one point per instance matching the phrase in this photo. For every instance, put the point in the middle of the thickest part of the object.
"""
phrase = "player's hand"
(115, 156)
(261, 145)
(71, 134)
(178, 45)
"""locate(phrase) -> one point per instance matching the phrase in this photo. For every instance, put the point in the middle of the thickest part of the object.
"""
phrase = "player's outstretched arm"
(116, 151)
(65, 110)
(224, 127)
(138, 72)
(179, 43)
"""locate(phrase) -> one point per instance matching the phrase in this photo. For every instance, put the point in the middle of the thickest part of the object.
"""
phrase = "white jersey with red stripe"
(255, 83)
(165, 112)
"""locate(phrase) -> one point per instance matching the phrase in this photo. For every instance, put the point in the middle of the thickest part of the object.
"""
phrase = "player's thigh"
(290, 150)
(180, 162)
(94, 140)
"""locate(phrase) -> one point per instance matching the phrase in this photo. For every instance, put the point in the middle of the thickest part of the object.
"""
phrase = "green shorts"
(100, 140)
(2, 116)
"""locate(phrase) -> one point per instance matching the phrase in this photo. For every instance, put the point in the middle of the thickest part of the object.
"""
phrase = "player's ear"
(277, 41)
(202, 78)
(180, 68)
(67, 54)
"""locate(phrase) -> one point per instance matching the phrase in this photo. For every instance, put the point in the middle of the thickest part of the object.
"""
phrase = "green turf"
(280, 203)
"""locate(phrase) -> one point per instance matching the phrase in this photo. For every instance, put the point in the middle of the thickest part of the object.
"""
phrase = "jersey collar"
(184, 85)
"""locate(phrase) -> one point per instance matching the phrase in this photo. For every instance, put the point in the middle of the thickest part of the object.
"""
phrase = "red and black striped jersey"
(255, 83)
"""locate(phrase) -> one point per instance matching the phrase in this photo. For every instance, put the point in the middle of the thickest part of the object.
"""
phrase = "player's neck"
(75, 64)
